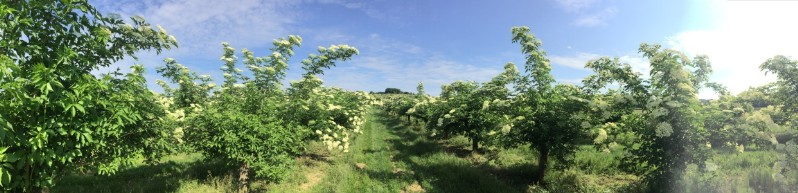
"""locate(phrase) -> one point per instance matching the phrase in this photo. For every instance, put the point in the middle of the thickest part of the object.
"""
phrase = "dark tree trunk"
(243, 178)
(474, 145)
(543, 162)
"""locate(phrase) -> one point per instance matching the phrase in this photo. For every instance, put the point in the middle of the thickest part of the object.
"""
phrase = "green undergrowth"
(394, 156)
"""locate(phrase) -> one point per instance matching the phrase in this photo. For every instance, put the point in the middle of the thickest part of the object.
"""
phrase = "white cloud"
(598, 18)
(201, 25)
(386, 62)
(747, 34)
(370, 9)
(576, 5)
(577, 61)
(638, 63)
(589, 13)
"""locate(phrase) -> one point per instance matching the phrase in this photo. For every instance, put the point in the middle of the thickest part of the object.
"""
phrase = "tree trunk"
(474, 145)
(243, 178)
(543, 162)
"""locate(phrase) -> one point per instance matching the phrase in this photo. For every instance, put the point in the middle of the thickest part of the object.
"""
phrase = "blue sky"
(437, 42)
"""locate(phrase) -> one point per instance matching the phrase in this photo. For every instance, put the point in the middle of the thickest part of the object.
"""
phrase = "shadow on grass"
(162, 177)
(439, 168)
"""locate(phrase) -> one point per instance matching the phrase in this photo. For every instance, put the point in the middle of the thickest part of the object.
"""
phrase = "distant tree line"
(391, 91)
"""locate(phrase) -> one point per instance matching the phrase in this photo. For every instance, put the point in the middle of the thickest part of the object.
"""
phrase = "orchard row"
(655, 120)
(57, 118)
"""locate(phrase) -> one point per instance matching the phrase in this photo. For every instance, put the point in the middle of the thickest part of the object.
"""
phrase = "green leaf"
(80, 108)
(5, 177)
(88, 137)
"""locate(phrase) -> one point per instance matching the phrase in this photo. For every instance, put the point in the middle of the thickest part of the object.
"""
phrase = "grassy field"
(391, 156)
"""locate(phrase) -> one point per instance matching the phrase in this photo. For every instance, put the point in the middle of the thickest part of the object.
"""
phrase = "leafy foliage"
(55, 115)
(253, 123)
(547, 116)
(662, 118)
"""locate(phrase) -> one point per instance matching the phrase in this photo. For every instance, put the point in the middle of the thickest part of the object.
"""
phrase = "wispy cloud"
(638, 63)
(589, 13)
(576, 6)
(598, 18)
(386, 62)
(370, 8)
(577, 61)
(200, 25)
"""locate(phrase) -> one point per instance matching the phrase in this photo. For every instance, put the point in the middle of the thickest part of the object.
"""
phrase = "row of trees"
(56, 117)
(657, 119)
(255, 124)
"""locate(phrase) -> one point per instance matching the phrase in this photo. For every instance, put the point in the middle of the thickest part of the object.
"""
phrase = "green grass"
(402, 158)
(750, 171)
(177, 173)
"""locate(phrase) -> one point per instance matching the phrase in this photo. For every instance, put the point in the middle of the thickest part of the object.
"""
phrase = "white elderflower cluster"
(165, 102)
(333, 107)
(663, 129)
(177, 115)
(357, 122)
(195, 108)
(331, 138)
(178, 134)
(506, 128)
(276, 55)
(601, 137)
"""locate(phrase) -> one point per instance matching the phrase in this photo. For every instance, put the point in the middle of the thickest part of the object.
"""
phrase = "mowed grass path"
(400, 159)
